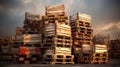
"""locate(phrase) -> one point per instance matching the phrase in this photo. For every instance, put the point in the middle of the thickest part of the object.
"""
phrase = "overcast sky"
(105, 13)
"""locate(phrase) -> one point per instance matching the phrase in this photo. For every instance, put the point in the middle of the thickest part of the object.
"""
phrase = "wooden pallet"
(103, 61)
(77, 23)
(88, 42)
(56, 62)
(37, 44)
(99, 58)
(59, 62)
(103, 58)
(104, 55)
(27, 59)
(88, 25)
(95, 62)
(59, 37)
(100, 54)
(95, 59)
(89, 32)
(53, 20)
(62, 41)
(56, 17)
(62, 63)
(99, 62)
(31, 27)
(59, 58)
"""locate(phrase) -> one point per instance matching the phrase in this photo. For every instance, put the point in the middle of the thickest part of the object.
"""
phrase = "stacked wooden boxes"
(19, 35)
(100, 54)
(94, 54)
(32, 23)
(29, 51)
(57, 41)
(82, 32)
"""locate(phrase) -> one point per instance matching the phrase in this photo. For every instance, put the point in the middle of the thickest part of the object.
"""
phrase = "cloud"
(27, 1)
(10, 16)
(11, 4)
(113, 29)
(111, 10)
(108, 26)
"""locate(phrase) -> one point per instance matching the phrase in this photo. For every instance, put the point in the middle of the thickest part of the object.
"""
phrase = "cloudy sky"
(105, 13)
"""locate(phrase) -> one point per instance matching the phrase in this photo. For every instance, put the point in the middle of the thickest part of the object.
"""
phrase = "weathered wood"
(55, 9)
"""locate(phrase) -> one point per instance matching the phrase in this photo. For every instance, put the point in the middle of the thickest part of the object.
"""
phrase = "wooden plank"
(55, 8)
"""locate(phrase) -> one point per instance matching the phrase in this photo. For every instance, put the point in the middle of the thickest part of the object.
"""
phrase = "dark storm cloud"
(11, 4)
(110, 14)
(111, 10)
(116, 31)
(113, 31)
(8, 17)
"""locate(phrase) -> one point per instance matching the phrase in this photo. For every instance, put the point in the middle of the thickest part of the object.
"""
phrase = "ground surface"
(112, 63)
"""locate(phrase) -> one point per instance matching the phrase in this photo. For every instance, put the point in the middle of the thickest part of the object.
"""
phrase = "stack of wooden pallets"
(57, 43)
(18, 41)
(82, 32)
(32, 23)
(29, 51)
(99, 58)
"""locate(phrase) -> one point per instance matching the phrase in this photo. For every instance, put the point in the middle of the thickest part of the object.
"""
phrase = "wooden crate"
(52, 29)
(60, 59)
(76, 23)
(28, 59)
(19, 30)
(62, 63)
(55, 17)
(99, 58)
(57, 41)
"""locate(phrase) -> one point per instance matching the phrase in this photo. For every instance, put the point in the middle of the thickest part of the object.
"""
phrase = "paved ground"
(112, 63)
(75, 65)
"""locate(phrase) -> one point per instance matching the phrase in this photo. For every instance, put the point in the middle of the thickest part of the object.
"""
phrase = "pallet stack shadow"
(29, 51)
(82, 34)
(57, 36)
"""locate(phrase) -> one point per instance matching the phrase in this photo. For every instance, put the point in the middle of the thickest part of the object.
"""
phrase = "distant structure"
(82, 32)
(114, 51)
(29, 50)
(57, 36)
